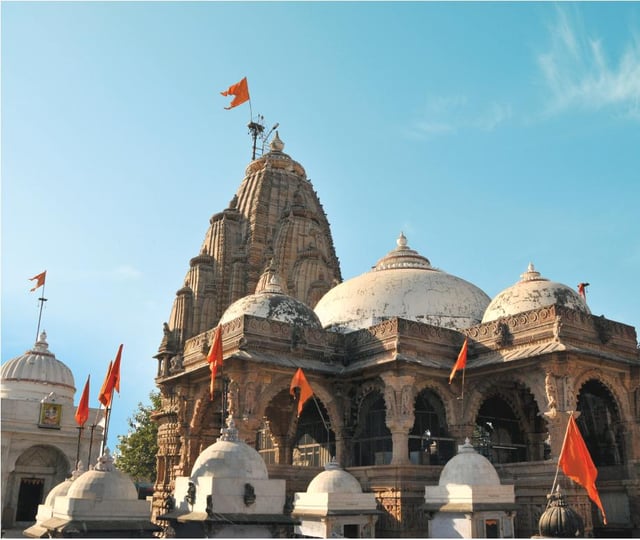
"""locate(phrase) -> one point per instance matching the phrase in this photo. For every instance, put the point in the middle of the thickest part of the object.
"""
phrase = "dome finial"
(402, 240)
(531, 274)
(105, 462)
(230, 433)
(276, 144)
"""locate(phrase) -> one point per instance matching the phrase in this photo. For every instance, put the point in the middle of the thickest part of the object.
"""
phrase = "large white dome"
(37, 373)
(533, 292)
(402, 284)
(269, 302)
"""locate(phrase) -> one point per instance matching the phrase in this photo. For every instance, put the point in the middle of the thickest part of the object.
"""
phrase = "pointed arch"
(430, 442)
(600, 423)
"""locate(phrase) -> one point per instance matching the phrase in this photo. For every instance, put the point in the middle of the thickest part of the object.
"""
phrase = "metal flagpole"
(555, 479)
(42, 300)
(93, 427)
(80, 428)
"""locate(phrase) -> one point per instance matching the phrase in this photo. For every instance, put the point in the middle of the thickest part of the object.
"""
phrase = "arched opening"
(599, 423)
(372, 443)
(36, 472)
(497, 434)
(429, 441)
(283, 438)
(314, 441)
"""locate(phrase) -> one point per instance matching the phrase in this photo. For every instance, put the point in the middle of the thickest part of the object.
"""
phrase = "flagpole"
(462, 393)
(324, 423)
(107, 419)
(42, 300)
(566, 432)
(80, 428)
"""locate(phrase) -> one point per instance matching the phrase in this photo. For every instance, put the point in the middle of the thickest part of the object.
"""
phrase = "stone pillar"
(399, 396)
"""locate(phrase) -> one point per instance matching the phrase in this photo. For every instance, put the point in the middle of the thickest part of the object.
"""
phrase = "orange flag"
(575, 461)
(300, 381)
(82, 412)
(40, 280)
(215, 357)
(102, 395)
(461, 362)
(241, 92)
(112, 380)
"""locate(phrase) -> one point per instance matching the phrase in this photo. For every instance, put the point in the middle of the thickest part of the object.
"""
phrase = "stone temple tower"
(274, 224)
(275, 219)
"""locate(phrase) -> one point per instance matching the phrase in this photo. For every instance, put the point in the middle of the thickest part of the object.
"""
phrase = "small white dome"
(402, 284)
(22, 375)
(334, 479)
(533, 292)
(230, 458)
(468, 468)
(271, 303)
(103, 483)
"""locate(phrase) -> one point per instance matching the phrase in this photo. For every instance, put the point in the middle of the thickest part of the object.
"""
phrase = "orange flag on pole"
(461, 362)
(215, 357)
(101, 396)
(300, 381)
(112, 380)
(40, 280)
(240, 91)
(82, 412)
(575, 461)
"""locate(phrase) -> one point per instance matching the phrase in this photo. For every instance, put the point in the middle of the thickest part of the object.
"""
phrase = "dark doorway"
(351, 531)
(29, 497)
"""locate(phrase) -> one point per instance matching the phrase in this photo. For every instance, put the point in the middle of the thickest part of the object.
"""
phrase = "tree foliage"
(136, 451)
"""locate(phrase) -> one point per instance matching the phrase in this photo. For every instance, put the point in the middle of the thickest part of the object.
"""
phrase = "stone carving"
(568, 393)
(390, 400)
(551, 392)
(249, 399)
(406, 401)
(176, 363)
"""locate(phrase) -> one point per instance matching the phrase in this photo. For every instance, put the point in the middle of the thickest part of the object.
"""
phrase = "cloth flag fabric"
(111, 381)
(215, 358)
(582, 290)
(461, 362)
(40, 280)
(240, 91)
(575, 461)
(82, 412)
(300, 381)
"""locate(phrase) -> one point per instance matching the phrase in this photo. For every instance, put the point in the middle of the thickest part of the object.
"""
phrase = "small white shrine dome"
(35, 373)
(334, 479)
(533, 292)
(402, 284)
(469, 468)
(270, 302)
(103, 483)
(229, 457)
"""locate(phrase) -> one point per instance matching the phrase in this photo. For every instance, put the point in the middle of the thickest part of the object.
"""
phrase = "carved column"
(399, 396)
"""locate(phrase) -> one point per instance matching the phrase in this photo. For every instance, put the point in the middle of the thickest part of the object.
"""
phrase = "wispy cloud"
(579, 74)
(451, 114)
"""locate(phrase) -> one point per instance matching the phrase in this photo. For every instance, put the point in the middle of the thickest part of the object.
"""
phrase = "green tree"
(136, 451)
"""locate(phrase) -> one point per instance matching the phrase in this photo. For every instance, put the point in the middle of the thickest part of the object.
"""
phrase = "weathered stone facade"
(377, 389)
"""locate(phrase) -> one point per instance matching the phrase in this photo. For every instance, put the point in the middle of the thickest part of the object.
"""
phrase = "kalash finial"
(402, 240)
(531, 274)
(230, 433)
(276, 144)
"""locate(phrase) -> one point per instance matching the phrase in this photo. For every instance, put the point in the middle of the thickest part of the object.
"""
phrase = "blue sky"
(492, 134)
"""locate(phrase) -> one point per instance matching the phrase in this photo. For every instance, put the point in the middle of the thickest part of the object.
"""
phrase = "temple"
(378, 351)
